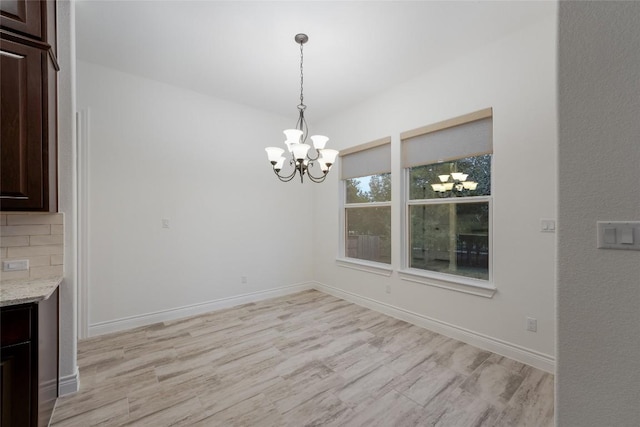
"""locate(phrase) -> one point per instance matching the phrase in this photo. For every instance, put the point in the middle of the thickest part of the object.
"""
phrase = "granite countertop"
(22, 291)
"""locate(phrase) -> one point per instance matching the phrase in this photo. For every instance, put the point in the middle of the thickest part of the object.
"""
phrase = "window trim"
(449, 123)
(374, 267)
(448, 281)
(342, 260)
(357, 263)
(478, 287)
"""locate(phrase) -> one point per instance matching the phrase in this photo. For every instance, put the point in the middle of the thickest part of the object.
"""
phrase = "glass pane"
(373, 188)
(451, 238)
(368, 233)
(477, 169)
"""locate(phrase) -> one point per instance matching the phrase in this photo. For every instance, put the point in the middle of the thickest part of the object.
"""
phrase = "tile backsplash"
(37, 237)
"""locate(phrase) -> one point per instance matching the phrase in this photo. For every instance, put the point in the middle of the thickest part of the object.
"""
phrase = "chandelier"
(459, 182)
(302, 158)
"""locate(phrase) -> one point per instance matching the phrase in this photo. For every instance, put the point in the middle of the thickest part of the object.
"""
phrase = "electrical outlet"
(165, 223)
(532, 324)
(243, 279)
(388, 289)
(18, 265)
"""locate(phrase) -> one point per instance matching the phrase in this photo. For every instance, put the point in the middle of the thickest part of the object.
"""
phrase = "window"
(366, 202)
(449, 231)
(448, 198)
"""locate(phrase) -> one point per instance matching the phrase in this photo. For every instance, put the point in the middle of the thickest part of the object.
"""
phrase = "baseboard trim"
(69, 384)
(530, 357)
(131, 322)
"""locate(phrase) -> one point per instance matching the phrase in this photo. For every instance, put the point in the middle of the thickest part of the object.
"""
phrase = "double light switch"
(619, 235)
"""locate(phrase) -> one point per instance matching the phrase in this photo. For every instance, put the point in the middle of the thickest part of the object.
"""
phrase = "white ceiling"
(244, 51)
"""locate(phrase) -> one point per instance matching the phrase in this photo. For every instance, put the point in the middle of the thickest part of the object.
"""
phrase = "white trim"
(131, 322)
(342, 226)
(448, 200)
(367, 205)
(485, 113)
(365, 146)
(448, 281)
(531, 357)
(82, 123)
(342, 259)
(69, 384)
(368, 266)
(445, 281)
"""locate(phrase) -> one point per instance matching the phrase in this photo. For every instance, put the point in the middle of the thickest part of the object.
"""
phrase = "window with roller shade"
(366, 202)
(448, 198)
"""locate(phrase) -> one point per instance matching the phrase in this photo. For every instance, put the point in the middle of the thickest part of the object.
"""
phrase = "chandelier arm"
(285, 178)
(315, 178)
(313, 159)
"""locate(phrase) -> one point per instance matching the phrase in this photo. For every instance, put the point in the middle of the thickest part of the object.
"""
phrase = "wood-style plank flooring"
(304, 359)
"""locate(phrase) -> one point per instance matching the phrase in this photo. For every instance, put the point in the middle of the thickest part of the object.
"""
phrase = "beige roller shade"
(367, 159)
(465, 136)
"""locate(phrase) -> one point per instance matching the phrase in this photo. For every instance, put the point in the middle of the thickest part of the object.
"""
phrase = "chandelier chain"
(301, 77)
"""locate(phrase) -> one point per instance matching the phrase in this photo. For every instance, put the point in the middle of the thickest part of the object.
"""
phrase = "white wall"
(157, 151)
(598, 381)
(517, 77)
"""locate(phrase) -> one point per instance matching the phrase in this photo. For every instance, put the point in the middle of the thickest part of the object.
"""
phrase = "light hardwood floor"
(303, 359)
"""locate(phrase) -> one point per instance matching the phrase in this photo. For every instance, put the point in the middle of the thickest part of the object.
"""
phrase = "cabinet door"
(15, 385)
(22, 16)
(23, 168)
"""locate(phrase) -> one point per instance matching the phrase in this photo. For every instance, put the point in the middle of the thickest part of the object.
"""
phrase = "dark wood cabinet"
(28, 172)
(29, 363)
(22, 154)
(23, 16)
(16, 376)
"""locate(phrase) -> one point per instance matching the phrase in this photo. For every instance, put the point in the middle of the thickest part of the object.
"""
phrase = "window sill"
(368, 266)
(447, 281)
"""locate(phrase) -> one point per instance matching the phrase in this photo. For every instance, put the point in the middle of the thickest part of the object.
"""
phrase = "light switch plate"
(548, 225)
(619, 235)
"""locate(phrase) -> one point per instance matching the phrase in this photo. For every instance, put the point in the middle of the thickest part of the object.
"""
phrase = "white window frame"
(356, 263)
(479, 287)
